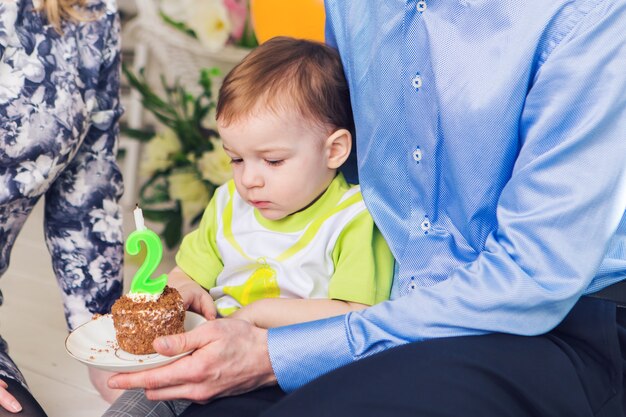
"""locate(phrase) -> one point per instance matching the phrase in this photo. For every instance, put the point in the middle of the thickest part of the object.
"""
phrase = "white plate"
(94, 344)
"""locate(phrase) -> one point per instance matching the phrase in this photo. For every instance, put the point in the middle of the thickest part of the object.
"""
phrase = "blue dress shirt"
(492, 155)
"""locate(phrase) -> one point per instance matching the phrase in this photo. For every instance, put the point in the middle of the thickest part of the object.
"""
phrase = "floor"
(32, 322)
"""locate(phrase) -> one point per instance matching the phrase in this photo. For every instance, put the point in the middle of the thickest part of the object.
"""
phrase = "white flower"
(31, 66)
(73, 264)
(157, 153)
(102, 269)
(76, 196)
(107, 222)
(211, 23)
(91, 100)
(68, 243)
(12, 82)
(77, 312)
(215, 166)
(102, 119)
(91, 47)
(64, 102)
(190, 190)
(5, 190)
(35, 176)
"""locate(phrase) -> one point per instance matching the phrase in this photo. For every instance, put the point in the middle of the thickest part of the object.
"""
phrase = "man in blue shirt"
(492, 155)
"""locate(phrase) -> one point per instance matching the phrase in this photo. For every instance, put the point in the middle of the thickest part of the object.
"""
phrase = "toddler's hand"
(195, 298)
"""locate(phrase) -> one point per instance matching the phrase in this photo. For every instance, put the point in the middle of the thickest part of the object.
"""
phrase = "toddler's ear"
(338, 146)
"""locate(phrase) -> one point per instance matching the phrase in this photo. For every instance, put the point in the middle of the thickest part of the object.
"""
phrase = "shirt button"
(425, 225)
(417, 154)
(417, 81)
(421, 6)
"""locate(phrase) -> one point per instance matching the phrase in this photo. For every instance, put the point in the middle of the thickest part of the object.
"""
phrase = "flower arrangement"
(184, 160)
(214, 23)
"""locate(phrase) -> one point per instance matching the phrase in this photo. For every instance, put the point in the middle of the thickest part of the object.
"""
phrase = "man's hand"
(7, 401)
(230, 357)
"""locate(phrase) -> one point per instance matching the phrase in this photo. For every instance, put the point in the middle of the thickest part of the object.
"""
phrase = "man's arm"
(554, 223)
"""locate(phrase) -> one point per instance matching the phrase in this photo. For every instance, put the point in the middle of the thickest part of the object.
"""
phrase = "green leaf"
(173, 232)
(196, 219)
(155, 190)
(206, 82)
(248, 38)
(139, 134)
(160, 216)
(180, 159)
(200, 111)
(178, 25)
(147, 94)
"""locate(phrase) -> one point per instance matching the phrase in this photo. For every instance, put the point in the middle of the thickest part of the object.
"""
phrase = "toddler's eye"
(273, 162)
(235, 160)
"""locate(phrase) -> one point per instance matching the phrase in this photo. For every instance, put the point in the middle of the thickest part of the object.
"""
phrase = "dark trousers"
(30, 406)
(577, 369)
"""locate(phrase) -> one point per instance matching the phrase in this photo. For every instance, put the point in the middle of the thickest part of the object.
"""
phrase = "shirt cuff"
(302, 352)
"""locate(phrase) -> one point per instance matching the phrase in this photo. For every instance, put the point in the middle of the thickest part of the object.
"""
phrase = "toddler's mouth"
(260, 203)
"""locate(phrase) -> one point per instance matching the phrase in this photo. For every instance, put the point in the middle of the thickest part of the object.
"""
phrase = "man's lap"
(575, 370)
(250, 404)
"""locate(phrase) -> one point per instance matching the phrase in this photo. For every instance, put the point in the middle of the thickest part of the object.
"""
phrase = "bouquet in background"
(183, 161)
(215, 23)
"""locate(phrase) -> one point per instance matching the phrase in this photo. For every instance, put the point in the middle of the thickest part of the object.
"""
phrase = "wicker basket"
(174, 54)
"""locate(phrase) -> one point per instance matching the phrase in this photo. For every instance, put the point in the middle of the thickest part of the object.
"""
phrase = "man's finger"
(185, 342)
(151, 378)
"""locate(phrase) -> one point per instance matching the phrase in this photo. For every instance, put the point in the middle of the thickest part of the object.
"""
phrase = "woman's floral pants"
(82, 225)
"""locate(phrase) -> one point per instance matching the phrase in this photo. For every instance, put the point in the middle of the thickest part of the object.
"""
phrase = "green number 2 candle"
(142, 282)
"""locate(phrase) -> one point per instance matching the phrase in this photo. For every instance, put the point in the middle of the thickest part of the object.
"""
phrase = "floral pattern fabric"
(59, 108)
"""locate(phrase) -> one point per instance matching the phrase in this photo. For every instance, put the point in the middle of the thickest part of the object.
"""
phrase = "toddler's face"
(280, 163)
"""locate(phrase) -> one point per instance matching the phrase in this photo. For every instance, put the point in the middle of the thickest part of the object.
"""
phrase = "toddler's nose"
(251, 178)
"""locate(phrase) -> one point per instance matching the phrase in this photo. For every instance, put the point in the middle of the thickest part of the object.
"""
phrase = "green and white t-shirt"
(332, 249)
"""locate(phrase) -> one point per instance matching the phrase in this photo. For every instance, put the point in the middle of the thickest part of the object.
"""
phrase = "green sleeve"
(363, 263)
(198, 256)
